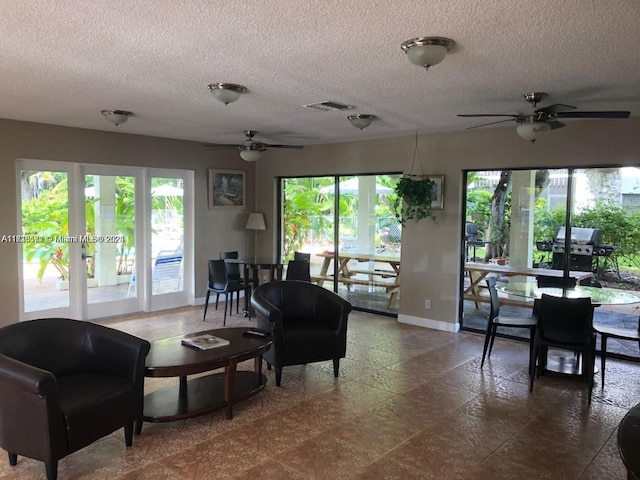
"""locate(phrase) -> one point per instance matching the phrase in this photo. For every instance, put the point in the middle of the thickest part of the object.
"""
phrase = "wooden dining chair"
(496, 320)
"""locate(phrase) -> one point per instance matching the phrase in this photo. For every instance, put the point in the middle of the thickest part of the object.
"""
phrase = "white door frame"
(144, 300)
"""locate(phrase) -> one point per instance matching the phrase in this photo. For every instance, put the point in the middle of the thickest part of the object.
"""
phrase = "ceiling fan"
(250, 150)
(536, 125)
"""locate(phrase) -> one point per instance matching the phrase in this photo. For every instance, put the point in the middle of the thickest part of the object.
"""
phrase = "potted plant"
(417, 193)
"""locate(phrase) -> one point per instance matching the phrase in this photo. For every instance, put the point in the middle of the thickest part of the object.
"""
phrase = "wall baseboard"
(428, 323)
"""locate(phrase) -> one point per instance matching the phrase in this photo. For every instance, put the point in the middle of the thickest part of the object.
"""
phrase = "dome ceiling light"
(427, 51)
(116, 116)
(361, 120)
(226, 92)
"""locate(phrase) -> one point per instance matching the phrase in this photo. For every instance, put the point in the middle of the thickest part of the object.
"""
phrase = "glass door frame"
(78, 306)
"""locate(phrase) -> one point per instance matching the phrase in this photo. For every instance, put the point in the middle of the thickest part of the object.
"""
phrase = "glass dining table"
(599, 297)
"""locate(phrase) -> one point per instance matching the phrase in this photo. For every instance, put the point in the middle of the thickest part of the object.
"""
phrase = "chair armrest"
(27, 379)
(32, 421)
(268, 316)
(332, 310)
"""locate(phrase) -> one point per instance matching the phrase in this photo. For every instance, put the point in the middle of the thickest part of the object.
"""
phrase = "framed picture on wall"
(438, 198)
(227, 189)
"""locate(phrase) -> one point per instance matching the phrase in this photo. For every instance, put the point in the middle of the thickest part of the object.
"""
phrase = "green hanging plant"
(417, 193)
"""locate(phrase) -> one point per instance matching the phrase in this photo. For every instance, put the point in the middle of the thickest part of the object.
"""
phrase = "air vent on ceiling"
(328, 106)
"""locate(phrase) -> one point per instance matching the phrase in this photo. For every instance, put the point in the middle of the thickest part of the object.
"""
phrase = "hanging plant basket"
(414, 198)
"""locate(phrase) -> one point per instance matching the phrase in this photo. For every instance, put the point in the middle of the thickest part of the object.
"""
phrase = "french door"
(89, 237)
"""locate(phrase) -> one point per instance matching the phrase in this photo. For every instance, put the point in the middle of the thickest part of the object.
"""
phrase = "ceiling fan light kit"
(537, 125)
(427, 51)
(251, 150)
(249, 154)
(226, 92)
(361, 120)
(533, 130)
(116, 116)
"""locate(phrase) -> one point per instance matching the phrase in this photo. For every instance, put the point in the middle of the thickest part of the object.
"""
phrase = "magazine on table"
(206, 341)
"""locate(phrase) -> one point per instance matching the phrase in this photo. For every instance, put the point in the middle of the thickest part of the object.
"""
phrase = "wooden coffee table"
(203, 394)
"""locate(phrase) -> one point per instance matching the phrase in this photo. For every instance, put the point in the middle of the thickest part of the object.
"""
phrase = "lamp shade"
(426, 51)
(226, 92)
(250, 155)
(255, 222)
(116, 116)
(532, 131)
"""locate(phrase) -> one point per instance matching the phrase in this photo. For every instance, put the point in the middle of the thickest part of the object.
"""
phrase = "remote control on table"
(255, 333)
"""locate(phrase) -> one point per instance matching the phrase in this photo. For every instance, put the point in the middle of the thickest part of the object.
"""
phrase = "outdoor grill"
(585, 247)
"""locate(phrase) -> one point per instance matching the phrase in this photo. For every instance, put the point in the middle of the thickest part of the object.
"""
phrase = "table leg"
(229, 385)
(246, 312)
(472, 289)
(258, 369)
(323, 270)
(183, 388)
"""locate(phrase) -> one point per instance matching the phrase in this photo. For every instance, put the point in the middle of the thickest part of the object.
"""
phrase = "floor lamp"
(255, 222)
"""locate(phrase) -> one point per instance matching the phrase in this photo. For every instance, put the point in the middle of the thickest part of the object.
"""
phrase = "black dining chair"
(234, 274)
(219, 283)
(564, 323)
(606, 333)
(496, 320)
(298, 270)
(555, 282)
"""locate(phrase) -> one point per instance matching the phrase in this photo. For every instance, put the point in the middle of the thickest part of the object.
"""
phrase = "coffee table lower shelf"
(202, 395)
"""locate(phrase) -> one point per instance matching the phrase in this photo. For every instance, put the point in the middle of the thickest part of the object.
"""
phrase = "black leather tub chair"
(308, 323)
(65, 384)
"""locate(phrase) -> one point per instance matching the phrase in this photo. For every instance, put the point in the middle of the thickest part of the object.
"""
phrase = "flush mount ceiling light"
(226, 92)
(532, 128)
(116, 116)
(427, 51)
(361, 120)
(249, 154)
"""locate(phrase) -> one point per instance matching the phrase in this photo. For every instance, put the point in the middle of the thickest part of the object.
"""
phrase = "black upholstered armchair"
(308, 323)
(66, 383)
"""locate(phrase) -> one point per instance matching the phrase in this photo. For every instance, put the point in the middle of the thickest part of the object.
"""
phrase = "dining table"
(252, 267)
(598, 295)
(478, 273)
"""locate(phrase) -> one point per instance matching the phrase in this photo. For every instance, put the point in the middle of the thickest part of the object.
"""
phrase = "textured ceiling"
(62, 61)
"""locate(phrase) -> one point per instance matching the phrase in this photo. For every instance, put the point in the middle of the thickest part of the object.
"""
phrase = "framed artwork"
(227, 189)
(438, 198)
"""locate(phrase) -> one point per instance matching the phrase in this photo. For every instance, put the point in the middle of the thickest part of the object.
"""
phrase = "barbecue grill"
(584, 249)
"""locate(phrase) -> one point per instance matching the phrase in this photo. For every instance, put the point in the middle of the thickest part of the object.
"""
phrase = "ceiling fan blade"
(219, 146)
(488, 115)
(491, 123)
(555, 108)
(268, 145)
(611, 114)
(554, 124)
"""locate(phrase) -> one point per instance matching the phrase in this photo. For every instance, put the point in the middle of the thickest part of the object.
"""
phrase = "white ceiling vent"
(328, 106)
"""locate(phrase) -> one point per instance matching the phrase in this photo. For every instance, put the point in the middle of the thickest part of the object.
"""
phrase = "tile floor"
(410, 403)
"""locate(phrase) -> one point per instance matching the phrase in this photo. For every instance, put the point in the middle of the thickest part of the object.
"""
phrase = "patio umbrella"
(351, 186)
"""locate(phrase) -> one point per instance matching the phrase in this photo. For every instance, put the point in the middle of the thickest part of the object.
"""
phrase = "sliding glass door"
(348, 225)
(521, 219)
